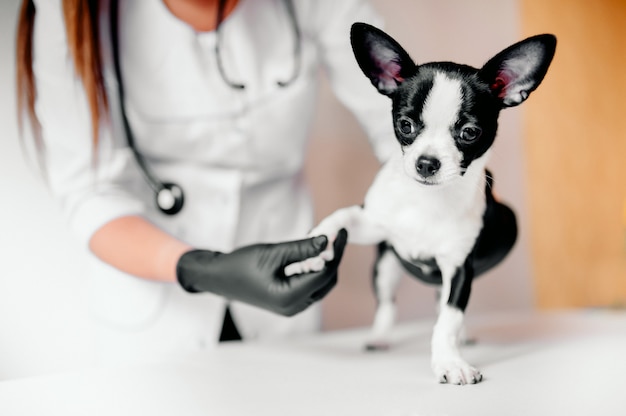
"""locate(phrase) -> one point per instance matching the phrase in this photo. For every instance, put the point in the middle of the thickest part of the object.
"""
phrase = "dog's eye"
(406, 127)
(470, 134)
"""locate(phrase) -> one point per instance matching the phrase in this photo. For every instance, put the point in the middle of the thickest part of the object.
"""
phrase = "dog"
(430, 208)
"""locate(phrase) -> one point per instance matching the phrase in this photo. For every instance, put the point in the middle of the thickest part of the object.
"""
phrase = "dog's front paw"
(456, 371)
(313, 264)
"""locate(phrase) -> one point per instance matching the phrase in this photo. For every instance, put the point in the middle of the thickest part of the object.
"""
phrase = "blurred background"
(559, 161)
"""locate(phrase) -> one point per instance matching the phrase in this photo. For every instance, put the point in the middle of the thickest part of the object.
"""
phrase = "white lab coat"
(237, 154)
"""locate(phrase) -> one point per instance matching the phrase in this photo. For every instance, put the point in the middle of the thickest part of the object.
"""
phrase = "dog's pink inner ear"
(498, 87)
(386, 60)
(503, 80)
(388, 75)
(390, 71)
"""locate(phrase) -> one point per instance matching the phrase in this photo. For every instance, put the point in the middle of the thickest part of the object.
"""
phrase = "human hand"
(255, 274)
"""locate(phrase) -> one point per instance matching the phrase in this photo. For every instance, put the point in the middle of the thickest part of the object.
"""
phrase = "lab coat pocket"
(122, 301)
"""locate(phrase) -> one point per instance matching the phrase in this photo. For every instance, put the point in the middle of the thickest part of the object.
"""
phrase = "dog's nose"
(427, 166)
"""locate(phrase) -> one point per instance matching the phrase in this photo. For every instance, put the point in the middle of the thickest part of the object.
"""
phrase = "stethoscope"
(169, 197)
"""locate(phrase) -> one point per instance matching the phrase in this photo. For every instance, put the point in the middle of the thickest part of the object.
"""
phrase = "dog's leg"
(387, 274)
(447, 363)
(464, 338)
(361, 230)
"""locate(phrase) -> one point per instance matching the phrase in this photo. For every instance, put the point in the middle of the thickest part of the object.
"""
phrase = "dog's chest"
(425, 222)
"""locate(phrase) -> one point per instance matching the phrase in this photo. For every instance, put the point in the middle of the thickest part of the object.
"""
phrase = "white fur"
(422, 221)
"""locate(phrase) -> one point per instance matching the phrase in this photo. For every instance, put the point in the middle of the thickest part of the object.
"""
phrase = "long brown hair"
(82, 29)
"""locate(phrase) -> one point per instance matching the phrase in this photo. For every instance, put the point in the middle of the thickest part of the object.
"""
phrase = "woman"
(207, 105)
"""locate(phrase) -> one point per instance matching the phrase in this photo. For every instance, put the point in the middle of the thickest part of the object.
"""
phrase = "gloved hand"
(255, 274)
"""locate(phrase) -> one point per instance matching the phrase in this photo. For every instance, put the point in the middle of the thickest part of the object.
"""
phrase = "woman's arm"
(251, 274)
(135, 246)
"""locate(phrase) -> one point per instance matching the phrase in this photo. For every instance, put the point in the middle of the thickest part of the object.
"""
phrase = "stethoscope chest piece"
(170, 198)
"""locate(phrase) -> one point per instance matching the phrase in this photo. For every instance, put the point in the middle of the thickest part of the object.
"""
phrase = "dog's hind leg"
(387, 274)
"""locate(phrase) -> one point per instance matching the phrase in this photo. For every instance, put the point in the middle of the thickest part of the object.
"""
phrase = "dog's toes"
(468, 342)
(476, 378)
(314, 264)
(377, 345)
(328, 254)
(456, 372)
(293, 269)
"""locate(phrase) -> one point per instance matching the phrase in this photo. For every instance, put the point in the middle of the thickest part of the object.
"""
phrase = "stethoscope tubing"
(159, 188)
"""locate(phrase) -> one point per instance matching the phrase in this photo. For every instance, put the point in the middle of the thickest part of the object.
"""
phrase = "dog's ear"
(380, 57)
(519, 69)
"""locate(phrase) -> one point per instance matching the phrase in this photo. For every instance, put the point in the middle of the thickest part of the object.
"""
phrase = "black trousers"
(229, 328)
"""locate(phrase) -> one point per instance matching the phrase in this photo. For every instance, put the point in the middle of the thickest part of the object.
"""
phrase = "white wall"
(43, 323)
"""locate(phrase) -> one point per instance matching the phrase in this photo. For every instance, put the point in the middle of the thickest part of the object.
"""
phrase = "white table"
(542, 364)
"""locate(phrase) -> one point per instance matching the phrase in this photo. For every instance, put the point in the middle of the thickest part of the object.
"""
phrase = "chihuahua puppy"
(430, 208)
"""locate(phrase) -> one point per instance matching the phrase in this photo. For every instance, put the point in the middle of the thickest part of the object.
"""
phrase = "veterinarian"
(173, 133)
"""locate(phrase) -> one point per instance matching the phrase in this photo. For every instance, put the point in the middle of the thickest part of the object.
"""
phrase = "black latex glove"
(255, 274)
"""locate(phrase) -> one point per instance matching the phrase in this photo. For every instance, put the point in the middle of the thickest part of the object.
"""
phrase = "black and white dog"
(430, 208)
